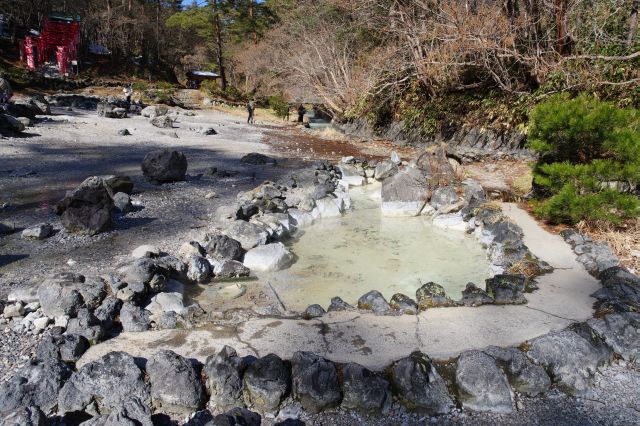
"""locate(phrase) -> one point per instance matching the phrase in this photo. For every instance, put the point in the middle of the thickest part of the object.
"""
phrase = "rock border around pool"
(78, 311)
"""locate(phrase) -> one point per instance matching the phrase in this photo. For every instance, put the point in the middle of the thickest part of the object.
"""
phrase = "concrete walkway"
(376, 341)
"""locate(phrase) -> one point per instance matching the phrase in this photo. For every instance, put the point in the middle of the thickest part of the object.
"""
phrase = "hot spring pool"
(363, 251)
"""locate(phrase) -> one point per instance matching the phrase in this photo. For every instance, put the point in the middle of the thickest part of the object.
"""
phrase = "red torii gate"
(59, 36)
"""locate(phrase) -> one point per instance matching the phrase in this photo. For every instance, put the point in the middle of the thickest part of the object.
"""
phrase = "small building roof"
(203, 74)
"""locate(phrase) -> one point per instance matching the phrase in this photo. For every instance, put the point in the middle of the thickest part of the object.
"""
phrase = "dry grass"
(624, 240)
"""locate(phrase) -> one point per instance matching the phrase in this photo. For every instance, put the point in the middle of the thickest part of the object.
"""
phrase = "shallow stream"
(363, 251)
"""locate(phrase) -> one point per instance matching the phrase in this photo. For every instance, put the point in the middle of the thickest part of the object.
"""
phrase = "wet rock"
(571, 359)
(328, 207)
(230, 269)
(351, 176)
(258, 159)
(443, 196)
(132, 412)
(313, 311)
(266, 383)
(404, 304)
(374, 301)
(134, 318)
(108, 382)
(418, 385)
(38, 232)
(526, 377)
(35, 384)
(432, 295)
(224, 373)
(472, 295)
(164, 122)
(269, 257)
(621, 332)
(24, 416)
(199, 269)
(507, 289)
(118, 183)
(365, 391)
(385, 169)
(482, 385)
(122, 203)
(107, 312)
(337, 304)
(405, 193)
(249, 235)
(175, 383)
(314, 382)
(301, 219)
(87, 209)
(60, 295)
(164, 166)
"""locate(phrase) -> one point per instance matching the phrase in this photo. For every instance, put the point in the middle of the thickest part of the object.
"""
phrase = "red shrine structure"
(57, 43)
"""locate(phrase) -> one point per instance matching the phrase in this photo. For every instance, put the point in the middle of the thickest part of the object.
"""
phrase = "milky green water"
(363, 251)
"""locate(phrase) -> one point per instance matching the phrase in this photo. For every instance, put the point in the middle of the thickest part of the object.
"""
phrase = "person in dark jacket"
(301, 112)
(251, 109)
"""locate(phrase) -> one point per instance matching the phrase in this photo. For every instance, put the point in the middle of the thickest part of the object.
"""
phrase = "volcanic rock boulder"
(23, 416)
(266, 383)
(132, 411)
(35, 384)
(175, 383)
(257, 159)
(507, 289)
(373, 301)
(419, 386)
(525, 376)
(164, 166)
(224, 373)
(269, 257)
(88, 208)
(472, 295)
(483, 386)
(221, 247)
(61, 294)
(405, 193)
(432, 295)
(385, 169)
(571, 359)
(365, 390)
(620, 332)
(404, 304)
(314, 382)
(109, 382)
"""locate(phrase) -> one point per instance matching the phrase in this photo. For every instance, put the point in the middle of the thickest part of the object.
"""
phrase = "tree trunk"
(562, 40)
(218, 30)
(633, 23)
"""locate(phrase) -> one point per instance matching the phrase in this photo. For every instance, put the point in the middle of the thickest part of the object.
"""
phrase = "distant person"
(301, 112)
(128, 92)
(287, 117)
(251, 109)
(5, 91)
